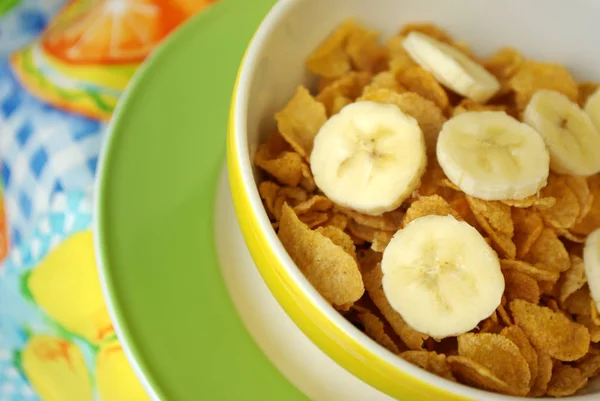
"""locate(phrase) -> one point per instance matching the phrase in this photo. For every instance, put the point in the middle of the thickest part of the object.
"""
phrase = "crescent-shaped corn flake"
(340, 238)
(579, 303)
(375, 329)
(364, 50)
(384, 80)
(472, 373)
(581, 189)
(573, 279)
(586, 89)
(592, 220)
(330, 58)
(566, 380)
(372, 276)
(345, 89)
(532, 271)
(504, 64)
(516, 335)
(429, 205)
(544, 375)
(521, 286)
(300, 121)
(497, 214)
(528, 227)
(418, 80)
(327, 266)
(500, 356)
(562, 338)
(549, 252)
(428, 115)
(430, 361)
(589, 365)
(533, 76)
(592, 327)
(566, 210)
(389, 221)
(317, 203)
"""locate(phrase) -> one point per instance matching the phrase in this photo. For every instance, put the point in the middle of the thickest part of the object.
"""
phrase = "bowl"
(274, 65)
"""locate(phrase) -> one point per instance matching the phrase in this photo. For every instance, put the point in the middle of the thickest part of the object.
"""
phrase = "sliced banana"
(442, 276)
(491, 156)
(569, 133)
(591, 260)
(592, 108)
(370, 157)
(451, 68)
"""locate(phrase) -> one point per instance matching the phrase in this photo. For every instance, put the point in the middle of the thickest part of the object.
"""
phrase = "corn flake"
(579, 303)
(503, 65)
(530, 270)
(516, 335)
(521, 286)
(593, 328)
(389, 221)
(467, 105)
(592, 219)
(581, 189)
(544, 375)
(533, 76)
(330, 59)
(375, 329)
(566, 210)
(317, 203)
(307, 182)
(384, 80)
(549, 253)
(364, 50)
(554, 332)
(573, 279)
(286, 167)
(418, 80)
(430, 361)
(300, 121)
(343, 91)
(500, 356)
(429, 205)
(495, 219)
(470, 372)
(381, 239)
(339, 237)
(429, 29)
(589, 365)
(528, 227)
(566, 380)
(586, 89)
(327, 266)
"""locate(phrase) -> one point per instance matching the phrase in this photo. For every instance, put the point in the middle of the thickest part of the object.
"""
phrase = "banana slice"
(491, 156)
(451, 68)
(592, 108)
(441, 276)
(369, 157)
(591, 260)
(569, 133)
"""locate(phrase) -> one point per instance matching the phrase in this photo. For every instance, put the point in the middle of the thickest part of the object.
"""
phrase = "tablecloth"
(63, 67)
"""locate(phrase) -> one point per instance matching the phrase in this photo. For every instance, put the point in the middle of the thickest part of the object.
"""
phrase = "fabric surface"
(63, 67)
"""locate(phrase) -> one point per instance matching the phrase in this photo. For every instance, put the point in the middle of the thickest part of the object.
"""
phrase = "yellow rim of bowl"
(332, 334)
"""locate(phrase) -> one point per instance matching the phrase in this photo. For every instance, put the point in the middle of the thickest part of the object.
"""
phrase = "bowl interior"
(545, 30)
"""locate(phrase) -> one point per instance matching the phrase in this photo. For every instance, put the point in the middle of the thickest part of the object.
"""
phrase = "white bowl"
(554, 30)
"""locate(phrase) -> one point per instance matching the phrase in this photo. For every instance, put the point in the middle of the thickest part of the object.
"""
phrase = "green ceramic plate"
(155, 219)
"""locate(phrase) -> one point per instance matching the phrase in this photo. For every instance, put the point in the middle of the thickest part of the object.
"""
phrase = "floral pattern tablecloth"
(63, 67)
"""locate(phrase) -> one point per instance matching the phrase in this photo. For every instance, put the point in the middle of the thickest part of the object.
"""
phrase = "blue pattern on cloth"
(48, 162)
(69, 213)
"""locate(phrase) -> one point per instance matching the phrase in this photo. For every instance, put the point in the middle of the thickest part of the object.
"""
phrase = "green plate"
(155, 219)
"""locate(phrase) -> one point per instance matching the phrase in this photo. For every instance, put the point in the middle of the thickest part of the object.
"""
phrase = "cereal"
(560, 337)
(327, 266)
(430, 361)
(343, 91)
(573, 279)
(544, 337)
(330, 59)
(533, 76)
(566, 380)
(521, 286)
(500, 356)
(375, 329)
(516, 335)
